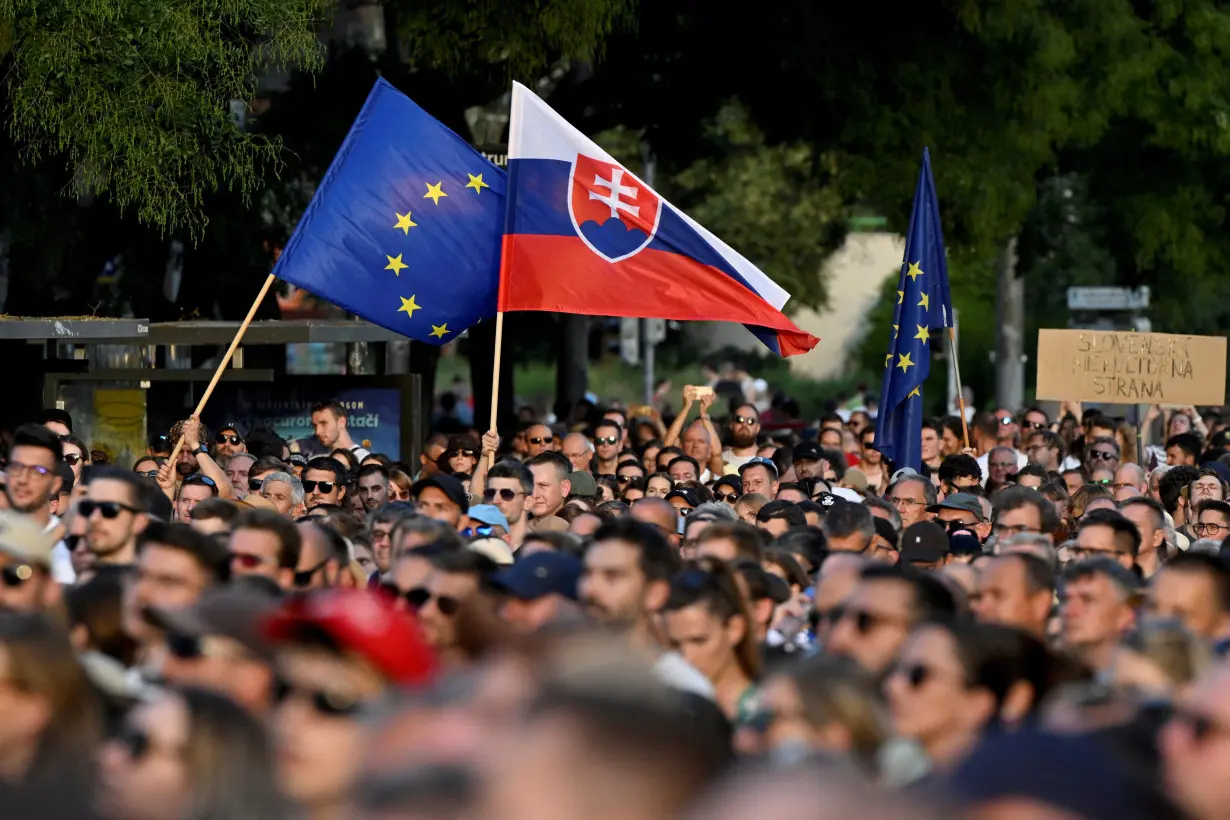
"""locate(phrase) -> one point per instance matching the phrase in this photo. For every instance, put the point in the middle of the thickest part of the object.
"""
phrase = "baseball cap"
(924, 542)
(297, 460)
(160, 442)
(846, 494)
(902, 473)
(807, 451)
(23, 539)
(446, 484)
(494, 548)
(759, 461)
(964, 543)
(885, 529)
(235, 612)
(488, 514)
(539, 574)
(583, 485)
(828, 501)
(365, 623)
(687, 494)
(856, 478)
(464, 442)
(960, 501)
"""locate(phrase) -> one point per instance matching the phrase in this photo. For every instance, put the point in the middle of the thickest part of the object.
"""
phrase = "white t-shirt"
(984, 459)
(61, 558)
(677, 673)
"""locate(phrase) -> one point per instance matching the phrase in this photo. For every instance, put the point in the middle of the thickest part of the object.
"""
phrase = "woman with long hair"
(399, 485)
(189, 754)
(709, 624)
(954, 680)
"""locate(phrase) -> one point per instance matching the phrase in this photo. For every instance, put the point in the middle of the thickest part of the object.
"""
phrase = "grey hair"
(296, 486)
(1030, 543)
(1207, 546)
(894, 515)
(713, 511)
(928, 487)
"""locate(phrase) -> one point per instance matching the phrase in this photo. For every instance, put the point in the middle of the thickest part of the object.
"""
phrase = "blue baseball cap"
(488, 514)
(539, 574)
(759, 461)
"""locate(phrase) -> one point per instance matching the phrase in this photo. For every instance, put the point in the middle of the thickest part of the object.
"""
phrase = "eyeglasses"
(223, 438)
(1102, 455)
(466, 453)
(420, 596)
(1212, 529)
(326, 487)
(15, 576)
(748, 420)
(15, 469)
(544, 440)
(1034, 425)
(1005, 421)
(915, 674)
(255, 484)
(864, 621)
(108, 509)
(729, 498)
(608, 440)
(908, 503)
(246, 559)
(72, 459)
(148, 474)
(505, 494)
(329, 704)
(1093, 552)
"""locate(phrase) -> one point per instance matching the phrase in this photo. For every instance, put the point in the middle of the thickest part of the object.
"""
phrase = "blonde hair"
(1171, 647)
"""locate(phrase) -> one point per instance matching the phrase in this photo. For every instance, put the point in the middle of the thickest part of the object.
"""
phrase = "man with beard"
(33, 483)
(625, 583)
(744, 428)
(115, 510)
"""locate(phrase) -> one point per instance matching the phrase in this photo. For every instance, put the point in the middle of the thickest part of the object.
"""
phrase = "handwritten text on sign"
(1122, 367)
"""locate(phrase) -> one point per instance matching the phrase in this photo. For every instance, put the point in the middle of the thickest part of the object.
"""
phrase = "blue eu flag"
(923, 304)
(405, 227)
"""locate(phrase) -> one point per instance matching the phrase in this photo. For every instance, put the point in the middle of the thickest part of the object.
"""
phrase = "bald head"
(1130, 481)
(579, 451)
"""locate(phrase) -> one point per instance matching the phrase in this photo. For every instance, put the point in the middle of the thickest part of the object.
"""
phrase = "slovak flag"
(583, 235)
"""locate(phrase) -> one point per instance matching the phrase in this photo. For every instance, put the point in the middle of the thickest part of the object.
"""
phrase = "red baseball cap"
(364, 622)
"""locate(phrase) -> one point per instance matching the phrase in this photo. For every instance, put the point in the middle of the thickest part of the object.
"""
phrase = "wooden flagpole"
(956, 372)
(230, 351)
(495, 377)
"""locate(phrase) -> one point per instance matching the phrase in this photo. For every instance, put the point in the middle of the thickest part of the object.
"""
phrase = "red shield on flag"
(613, 212)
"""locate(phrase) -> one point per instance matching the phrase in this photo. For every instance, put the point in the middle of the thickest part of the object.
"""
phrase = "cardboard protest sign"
(1124, 367)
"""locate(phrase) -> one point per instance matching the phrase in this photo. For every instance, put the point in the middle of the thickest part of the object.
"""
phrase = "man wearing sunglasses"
(264, 542)
(26, 584)
(608, 438)
(324, 558)
(1102, 454)
(324, 482)
(509, 485)
(457, 576)
(744, 431)
(337, 653)
(228, 442)
(538, 439)
(115, 511)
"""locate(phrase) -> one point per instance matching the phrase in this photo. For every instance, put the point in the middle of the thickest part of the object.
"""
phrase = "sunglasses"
(482, 531)
(148, 473)
(1005, 421)
(1034, 425)
(184, 647)
(505, 494)
(246, 559)
(329, 704)
(223, 438)
(197, 478)
(419, 597)
(135, 742)
(749, 420)
(326, 487)
(607, 440)
(729, 498)
(466, 453)
(864, 621)
(72, 459)
(16, 576)
(915, 675)
(108, 509)
(536, 440)
(255, 484)
(1102, 455)
(303, 578)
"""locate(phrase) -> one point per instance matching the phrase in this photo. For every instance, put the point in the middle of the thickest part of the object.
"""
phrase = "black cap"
(808, 450)
(66, 478)
(687, 494)
(160, 441)
(539, 574)
(886, 530)
(924, 542)
(446, 484)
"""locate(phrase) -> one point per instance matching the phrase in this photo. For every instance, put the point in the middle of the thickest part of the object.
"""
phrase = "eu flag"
(405, 227)
(923, 304)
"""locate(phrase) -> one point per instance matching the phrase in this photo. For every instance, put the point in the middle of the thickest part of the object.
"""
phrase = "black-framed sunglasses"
(545, 440)
(419, 597)
(107, 509)
(72, 459)
(729, 498)
(1102, 455)
(255, 484)
(748, 420)
(304, 577)
(15, 576)
(184, 647)
(197, 478)
(915, 674)
(326, 487)
(504, 493)
(1033, 425)
(329, 704)
(608, 440)
(223, 438)
(466, 453)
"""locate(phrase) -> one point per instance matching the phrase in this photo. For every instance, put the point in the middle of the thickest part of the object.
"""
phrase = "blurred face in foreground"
(612, 587)
(1195, 748)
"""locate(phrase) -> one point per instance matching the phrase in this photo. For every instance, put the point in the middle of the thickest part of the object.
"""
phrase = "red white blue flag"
(584, 235)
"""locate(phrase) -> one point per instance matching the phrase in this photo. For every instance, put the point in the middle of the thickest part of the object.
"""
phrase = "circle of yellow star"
(405, 223)
(395, 264)
(925, 302)
(895, 329)
(476, 182)
(888, 359)
(439, 330)
(914, 272)
(922, 333)
(900, 296)
(434, 192)
(903, 361)
(408, 306)
(914, 394)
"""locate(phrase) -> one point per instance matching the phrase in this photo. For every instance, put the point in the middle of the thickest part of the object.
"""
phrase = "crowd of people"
(621, 616)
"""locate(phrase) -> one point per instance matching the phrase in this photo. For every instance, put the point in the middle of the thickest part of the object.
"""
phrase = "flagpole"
(495, 376)
(226, 359)
(956, 372)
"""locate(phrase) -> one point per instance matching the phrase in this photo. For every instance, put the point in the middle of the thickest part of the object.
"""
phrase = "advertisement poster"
(119, 424)
(373, 413)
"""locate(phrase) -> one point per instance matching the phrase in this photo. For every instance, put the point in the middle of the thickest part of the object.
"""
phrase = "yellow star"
(895, 329)
(434, 192)
(408, 306)
(405, 222)
(914, 272)
(900, 296)
(439, 330)
(925, 302)
(888, 360)
(903, 361)
(914, 393)
(476, 182)
(922, 334)
(395, 264)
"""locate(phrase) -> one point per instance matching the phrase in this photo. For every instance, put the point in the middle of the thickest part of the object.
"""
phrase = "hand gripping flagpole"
(230, 351)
